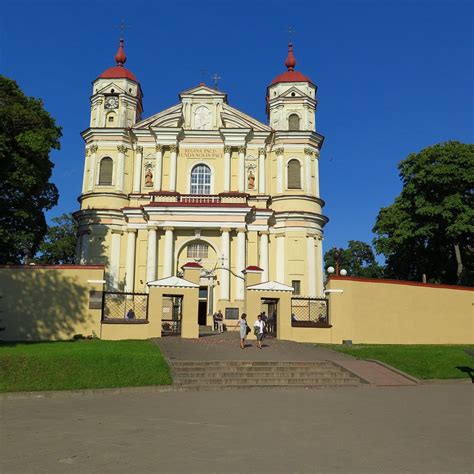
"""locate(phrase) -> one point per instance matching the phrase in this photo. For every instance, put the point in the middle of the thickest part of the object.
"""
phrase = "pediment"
(171, 117)
(201, 90)
(271, 286)
(173, 282)
(108, 89)
(293, 93)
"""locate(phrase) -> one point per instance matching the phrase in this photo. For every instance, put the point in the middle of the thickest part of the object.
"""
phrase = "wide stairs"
(234, 374)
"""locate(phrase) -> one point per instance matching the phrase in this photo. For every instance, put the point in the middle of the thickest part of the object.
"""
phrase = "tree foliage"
(429, 228)
(27, 135)
(59, 244)
(358, 259)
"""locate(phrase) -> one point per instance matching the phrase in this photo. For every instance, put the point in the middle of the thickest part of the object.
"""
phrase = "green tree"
(59, 244)
(428, 230)
(358, 259)
(27, 135)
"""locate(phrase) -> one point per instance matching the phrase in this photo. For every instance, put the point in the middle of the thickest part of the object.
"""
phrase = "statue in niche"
(148, 178)
(251, 180)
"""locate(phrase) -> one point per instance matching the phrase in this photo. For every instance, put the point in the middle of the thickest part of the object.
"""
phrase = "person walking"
(244, 329)
(259, 327)
(220, 321)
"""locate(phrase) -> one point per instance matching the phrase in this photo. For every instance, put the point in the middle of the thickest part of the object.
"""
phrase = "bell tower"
(291, 99)
(116, 100)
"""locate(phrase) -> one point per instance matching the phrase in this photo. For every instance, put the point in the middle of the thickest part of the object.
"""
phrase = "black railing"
(124, 308)
(309, 312)
(171, 315)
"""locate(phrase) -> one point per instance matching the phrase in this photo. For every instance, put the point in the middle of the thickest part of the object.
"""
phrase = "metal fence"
(309, 312)
(171, 315)
(124, 307)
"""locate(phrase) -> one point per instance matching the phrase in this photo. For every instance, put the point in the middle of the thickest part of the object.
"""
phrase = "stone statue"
(251, 180)
(148, 178)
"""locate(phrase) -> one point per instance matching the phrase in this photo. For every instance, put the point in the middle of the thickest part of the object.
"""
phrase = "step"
(247, 363)
(239, 375)
(275, 371)
(266, 385)
(264, 380)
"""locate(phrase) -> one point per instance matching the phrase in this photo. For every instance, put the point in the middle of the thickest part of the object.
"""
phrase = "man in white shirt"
(258, 329)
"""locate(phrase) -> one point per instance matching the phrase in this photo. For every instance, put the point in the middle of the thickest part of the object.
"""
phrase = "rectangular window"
(198, 251)
(232, 313)
(296, 284)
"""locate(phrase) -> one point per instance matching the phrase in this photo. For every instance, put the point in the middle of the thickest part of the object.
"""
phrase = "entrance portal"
(202, 309)
(270, 307)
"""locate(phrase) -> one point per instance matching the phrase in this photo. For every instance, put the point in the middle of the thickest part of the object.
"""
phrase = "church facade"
(203, 182)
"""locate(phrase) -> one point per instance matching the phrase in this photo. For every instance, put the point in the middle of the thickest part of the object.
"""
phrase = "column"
(168, 265)
(310, 266)
(227, 152)
(280, 258)
(78, 254)
(280, 171)
(316, 173)
(130, 262)
(225, 251)
(173, 164)
(261, 170)
(158, 167)
(115, 259)
(240, 263)
(308, 171)
(137, 172)
(84, 176)
(92, 165)
(84, 259)
(242, 169)
(264, 255)
(120, 170)
(151, 264)
(319, 266)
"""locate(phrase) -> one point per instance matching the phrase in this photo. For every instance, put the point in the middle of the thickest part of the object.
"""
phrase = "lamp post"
(338, 256)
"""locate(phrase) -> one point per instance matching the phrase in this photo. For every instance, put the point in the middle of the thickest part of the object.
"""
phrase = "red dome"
(118, 72)
(291, 76)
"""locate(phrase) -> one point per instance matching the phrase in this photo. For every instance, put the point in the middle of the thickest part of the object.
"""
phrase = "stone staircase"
(209, 375)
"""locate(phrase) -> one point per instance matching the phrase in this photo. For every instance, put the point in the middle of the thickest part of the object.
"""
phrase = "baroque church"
(203, 183)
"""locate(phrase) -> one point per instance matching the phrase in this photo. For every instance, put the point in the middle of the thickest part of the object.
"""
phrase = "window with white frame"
(293, 122)
(105, 171)
(294, 174)
(201, 180)
(296, 284)
(198, 250)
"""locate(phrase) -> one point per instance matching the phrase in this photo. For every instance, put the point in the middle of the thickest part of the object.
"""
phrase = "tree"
(358, 259)
(428, 230)
(27, 135)
(59, 244)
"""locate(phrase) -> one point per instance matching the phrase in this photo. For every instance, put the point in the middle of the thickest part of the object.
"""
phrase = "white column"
(84, 248)
(242, 169)
(130, 262)
(168, 265)
(225, 250)
(159, 167)
(84, 176)
(227, 152)
(319, 266)
(115, 259)
(137, 172)
(173, 164)
(240, 263)
(78, 254)
(92, 165)
(120, 169)
(316, 174)
(280, 170)
(280, 258)
(261, 170)
(151, 264)
(264, 255)
(308, 171)
(310, 266)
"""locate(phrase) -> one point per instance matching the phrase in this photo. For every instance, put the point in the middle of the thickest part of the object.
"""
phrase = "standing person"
(220, 321)
(214, 322)
(244, 329)
(259, 327)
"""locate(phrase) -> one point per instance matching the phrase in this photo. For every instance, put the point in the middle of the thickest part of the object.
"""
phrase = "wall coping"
(401, 282)
(54, 267)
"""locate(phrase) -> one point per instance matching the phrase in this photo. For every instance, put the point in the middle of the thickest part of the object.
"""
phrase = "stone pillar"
(120, 169)
(319, 266)
(280, 170)
(240, 264)
(151, 263)
(169, 257)
(225, 250)
(316, 173)
(261, 170)
(158, 167)
(84, 176)
(242, 169)
(115, 259)
(137, 172)
(264, 255)
(173, 165)
(84, 258)
(308, 171)
(130, 262)
(227, 173)
(92, 165)
(280, 258)
(311, 266)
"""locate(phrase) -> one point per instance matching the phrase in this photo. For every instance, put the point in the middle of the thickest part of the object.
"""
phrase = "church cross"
(291, 30)
(204, 74)
(216, 79)
(122, 27)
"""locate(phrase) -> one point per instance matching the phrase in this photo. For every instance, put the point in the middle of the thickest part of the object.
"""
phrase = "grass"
(81, 364)
(421, 361)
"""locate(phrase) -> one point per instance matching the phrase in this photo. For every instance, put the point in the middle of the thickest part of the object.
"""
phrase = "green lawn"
(81, 364)
(421, 361)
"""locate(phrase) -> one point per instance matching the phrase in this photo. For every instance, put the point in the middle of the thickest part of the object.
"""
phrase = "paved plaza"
(416, 429)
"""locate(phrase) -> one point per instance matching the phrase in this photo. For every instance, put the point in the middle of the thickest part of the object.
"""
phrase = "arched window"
(198, 250)
(294, 174)
(293, 122)
(110, 120)
(105, 171)
(201, 180)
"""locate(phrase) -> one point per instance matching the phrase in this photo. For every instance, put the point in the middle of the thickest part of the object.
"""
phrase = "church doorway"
(269, 306)
(202, 307)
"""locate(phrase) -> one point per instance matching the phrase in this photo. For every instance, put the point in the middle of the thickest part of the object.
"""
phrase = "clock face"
(111, 102)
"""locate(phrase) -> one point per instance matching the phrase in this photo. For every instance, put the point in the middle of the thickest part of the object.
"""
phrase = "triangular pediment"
(293, 93)
(171, 117)
(173, 282)
(110, 88)
(202, 90)
(270, 286)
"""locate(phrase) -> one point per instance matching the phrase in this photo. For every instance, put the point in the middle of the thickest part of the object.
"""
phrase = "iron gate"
(124, 307)
(309, 312)
(171, 315)
(269, 312)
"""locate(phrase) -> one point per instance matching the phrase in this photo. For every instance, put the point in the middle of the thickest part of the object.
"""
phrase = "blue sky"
(393, 77)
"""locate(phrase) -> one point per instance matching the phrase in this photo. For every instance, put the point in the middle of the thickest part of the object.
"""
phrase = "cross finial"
(204, 75)
(122, 27)
(216, 78)
(291, 31)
